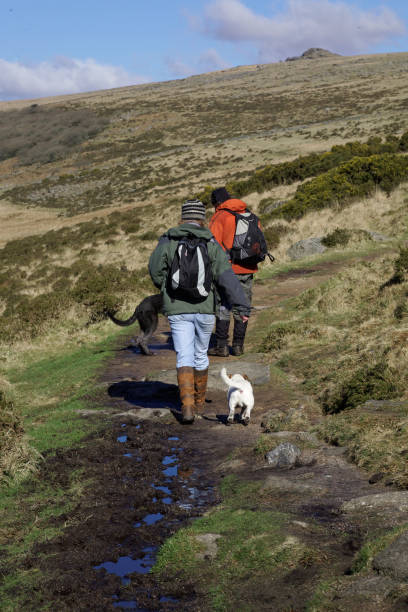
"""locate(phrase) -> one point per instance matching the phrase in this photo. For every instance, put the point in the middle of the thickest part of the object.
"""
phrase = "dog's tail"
(122, 323)
(225, 377)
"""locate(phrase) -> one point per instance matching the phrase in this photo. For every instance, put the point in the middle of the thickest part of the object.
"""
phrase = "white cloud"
(336, 26)
(211, 60)
(61, 76)
(208, 61)
(178, 68)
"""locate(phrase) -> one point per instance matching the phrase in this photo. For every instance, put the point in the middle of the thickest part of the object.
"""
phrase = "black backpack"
(249, 246)
(190, 278)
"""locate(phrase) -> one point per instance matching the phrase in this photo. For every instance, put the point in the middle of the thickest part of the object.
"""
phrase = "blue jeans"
(191, 336)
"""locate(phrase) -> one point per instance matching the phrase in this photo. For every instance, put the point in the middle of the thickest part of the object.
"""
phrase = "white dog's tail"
(226, 378)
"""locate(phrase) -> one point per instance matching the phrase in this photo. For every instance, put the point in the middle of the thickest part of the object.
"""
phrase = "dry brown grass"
(284, 110)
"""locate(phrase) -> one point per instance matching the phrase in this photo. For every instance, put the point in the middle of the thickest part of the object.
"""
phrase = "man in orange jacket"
(222, 226)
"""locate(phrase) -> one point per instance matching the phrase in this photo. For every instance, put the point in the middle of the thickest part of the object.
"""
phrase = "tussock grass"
(344, 339)
(18, 459)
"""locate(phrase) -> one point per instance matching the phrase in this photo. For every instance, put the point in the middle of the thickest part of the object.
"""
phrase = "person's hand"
(244, 318)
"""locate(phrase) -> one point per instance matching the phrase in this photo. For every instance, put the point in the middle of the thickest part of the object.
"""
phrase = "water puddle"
(127, 565)
(171, 471)
(128, 605)
(160, 488)
(169, 459)
(149, 519)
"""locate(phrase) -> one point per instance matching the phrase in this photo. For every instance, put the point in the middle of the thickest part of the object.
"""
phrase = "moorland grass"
(49, 391)
(252, 544)
(344, 340)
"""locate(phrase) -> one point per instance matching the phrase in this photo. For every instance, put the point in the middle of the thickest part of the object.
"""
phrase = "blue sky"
(48, 47)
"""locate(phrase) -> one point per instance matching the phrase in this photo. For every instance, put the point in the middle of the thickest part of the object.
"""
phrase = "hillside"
(318, 149)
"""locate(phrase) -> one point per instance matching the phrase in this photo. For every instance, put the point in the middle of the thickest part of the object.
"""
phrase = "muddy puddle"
(174, 492)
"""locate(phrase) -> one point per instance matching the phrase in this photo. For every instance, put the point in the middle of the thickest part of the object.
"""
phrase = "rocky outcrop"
(305, 248)
(312, 53)
(393, 560)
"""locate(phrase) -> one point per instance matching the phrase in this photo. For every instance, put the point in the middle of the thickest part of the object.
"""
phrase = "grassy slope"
(167, 141)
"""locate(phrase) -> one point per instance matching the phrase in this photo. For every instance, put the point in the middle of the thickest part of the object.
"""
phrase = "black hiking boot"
(218, 351)
(221, 335)
(238, 338)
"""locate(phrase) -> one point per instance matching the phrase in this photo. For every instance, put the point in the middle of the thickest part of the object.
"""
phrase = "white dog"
(240, 395)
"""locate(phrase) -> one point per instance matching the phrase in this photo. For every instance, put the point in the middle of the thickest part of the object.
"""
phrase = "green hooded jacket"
(226, 283)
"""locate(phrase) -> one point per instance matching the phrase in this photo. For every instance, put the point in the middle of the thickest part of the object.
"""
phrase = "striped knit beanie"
(192, 209)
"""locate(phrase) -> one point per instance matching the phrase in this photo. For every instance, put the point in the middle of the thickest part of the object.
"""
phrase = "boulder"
(377, 237)
(285, 455)
(382, 503)
(306, 247)
(209, 542)
(393, 560)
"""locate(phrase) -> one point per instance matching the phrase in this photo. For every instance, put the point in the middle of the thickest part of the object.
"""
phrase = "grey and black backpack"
(190, 277)
(249, 246)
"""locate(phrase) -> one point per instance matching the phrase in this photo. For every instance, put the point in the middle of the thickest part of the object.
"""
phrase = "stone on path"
(394, 501)
(209, 541)
(283, 456)
(143, 414)
(258, 373)
(284, 485)
(393, 560)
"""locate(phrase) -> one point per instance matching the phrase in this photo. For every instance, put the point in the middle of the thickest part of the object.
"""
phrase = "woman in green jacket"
(192, 321)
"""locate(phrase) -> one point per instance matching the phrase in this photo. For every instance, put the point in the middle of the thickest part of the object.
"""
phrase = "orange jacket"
(222, 226)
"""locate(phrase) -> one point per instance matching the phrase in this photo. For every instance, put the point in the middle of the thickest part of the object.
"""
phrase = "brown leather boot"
(200, 387)
(185, 379)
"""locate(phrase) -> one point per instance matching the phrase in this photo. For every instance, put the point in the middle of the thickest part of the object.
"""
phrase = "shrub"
(401, 265)
(101, 288)
(17, 458)
(399, 276)
(41, 134)
(338, 237)
(309, 165)
(375, 382)
(341, 186)
(273, 234)
(276, 337)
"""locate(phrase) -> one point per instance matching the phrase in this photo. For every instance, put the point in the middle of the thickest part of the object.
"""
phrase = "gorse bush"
(41, 134)
(28, 267)
(401, 265)
(340, 237)
(101, 288)
(309, 165)
(341, 186)
(369, 382)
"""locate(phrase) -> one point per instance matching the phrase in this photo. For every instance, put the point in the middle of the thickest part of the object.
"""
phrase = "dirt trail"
(152, 475)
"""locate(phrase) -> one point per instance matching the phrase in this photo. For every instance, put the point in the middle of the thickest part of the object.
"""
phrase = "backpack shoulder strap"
(230, 211)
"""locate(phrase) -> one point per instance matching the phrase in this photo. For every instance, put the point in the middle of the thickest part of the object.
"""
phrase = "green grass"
(58, 385)
(51, 390)
(372, 547)
(253, 544)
